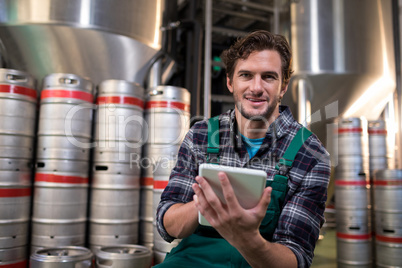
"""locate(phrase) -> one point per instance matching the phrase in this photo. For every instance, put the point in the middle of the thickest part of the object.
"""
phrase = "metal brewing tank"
(343, 59)
(95, 39)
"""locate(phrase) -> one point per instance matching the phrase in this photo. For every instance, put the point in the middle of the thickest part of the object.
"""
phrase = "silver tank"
(343, 59)
(94, 39)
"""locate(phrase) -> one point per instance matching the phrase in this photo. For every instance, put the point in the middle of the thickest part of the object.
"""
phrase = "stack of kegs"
(388, 227)
(352, 195)
(18, 109)
(167, 113)
(115, 189)
(63, 156)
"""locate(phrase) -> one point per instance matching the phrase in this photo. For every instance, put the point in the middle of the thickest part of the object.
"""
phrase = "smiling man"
(282, 229)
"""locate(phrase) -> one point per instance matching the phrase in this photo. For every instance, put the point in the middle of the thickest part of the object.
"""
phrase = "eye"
(244, 75)
(269, 77)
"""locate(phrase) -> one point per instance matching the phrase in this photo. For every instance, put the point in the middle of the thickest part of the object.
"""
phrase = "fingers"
(265, 200)
(228, 192)
(205, 199)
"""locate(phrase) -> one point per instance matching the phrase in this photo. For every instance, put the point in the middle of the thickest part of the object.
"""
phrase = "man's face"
(257, 85)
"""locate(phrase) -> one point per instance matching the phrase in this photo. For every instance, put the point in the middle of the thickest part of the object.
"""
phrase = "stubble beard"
(263, 116)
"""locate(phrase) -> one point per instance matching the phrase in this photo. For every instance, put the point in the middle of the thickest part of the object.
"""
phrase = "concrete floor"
(325, 250)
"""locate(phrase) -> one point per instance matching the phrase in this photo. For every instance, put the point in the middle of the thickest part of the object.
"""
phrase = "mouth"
(255, 100)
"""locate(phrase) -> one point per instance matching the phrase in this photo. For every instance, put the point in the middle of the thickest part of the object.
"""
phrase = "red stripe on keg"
(146, 181)
(120, 100)
(377, 131)
(71, 94)
(350, 130)
(22, 264)
(353, 183)
(59, 178)
(15, 192)
(160, 184)
(386, 183)
(353, 236)
(388, 239)
(18, 90)
(168, 104)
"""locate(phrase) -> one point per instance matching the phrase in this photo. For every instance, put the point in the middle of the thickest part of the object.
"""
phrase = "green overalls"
(206, 248)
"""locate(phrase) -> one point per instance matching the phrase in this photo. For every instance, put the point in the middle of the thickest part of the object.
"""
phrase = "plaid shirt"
(302, 215)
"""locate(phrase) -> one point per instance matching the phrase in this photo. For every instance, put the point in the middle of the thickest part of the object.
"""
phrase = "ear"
(283, 90)
(229, 84)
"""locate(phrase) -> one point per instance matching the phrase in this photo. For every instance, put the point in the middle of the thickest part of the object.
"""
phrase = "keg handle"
(68, 81)
(58, 253)
(155, 92)
(16, 78)
(373, 124)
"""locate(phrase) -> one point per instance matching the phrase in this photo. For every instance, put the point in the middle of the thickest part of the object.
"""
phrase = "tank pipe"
(207, 58)
(158, 57)
(155, 74)
(397, 49)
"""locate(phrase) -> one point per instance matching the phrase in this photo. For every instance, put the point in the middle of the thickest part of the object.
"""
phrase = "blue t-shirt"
(252, 145)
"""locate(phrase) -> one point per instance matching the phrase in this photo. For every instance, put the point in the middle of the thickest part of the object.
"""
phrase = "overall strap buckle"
(284, 166)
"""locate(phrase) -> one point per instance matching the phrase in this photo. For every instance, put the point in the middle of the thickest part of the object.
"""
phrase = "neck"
(254, 129)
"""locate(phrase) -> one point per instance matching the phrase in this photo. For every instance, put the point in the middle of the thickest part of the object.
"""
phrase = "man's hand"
(233, 222)
(239, 226)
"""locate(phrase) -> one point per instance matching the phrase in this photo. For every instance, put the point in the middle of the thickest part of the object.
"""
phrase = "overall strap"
(279, 184)
(285, 163)
(213, 140)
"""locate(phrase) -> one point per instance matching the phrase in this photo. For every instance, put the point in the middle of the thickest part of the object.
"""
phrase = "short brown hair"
(259, 41)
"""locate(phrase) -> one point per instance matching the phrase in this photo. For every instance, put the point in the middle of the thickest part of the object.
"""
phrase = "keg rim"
(37, 256)
(139, 251)
(30, 80)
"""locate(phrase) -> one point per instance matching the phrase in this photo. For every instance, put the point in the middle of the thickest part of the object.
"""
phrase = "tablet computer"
(248, 184)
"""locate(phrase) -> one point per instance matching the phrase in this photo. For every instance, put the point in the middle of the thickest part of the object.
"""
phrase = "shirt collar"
(276, 130)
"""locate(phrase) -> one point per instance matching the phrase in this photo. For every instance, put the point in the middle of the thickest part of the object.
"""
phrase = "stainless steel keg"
(167, 112)
(387, 186)
(59, 209)
(124, 256)
(119, 116)
(15, 203)
(62, 257)
(18, 100)
(13, 257)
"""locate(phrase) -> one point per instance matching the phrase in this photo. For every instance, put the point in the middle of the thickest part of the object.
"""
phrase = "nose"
(256, 84)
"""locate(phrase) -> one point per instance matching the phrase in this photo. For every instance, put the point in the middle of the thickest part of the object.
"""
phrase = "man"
(281, 231)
